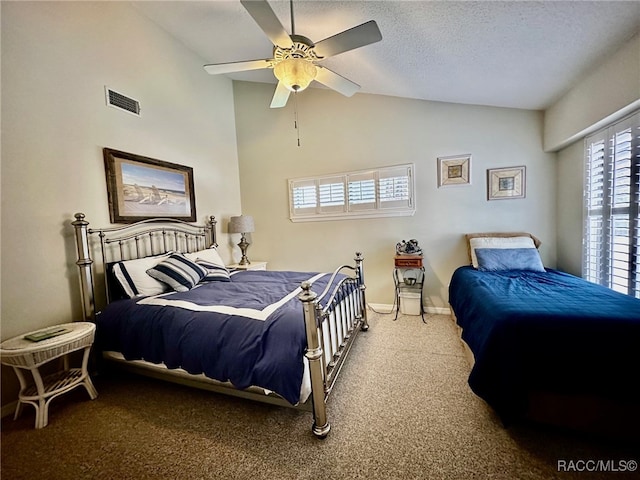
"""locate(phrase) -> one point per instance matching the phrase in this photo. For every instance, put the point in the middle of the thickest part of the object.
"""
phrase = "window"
(611, 244)
(381, 192)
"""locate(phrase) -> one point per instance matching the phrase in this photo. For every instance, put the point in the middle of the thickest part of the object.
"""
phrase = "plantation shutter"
(376, 192)
(594, 192)
(395, 185)
(332, 194)
(362, 191)
(303, 198)
(612, 199)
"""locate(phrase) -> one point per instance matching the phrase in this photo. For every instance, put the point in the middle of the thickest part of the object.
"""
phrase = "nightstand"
(52, 342)
(248, 266)
(408, 277)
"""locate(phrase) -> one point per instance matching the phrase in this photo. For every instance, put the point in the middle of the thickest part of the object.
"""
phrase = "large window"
(381, 192)
(612, 216)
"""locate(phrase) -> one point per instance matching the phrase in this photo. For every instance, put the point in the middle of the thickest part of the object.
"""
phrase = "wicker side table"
(23, 354)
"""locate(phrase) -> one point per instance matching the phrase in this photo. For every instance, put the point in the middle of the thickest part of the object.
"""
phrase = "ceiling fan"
(295, 57)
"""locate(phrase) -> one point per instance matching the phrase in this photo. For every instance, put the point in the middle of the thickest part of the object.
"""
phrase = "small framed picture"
(454, 170)
(506, 183)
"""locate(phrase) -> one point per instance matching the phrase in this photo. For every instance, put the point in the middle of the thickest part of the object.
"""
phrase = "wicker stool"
(23, 354)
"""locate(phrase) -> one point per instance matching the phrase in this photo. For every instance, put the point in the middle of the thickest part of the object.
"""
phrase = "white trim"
(386, 308)
(438, 310)
(381, 308)
(344, 216)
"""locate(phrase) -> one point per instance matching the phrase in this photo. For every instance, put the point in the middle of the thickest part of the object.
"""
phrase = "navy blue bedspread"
(249, 331)
(553, 332)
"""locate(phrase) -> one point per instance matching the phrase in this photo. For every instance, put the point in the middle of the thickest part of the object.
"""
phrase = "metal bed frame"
(332, 318)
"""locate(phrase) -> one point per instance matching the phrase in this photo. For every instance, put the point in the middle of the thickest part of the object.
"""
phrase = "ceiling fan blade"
(220, 68)
(280, 96)
(355, 37)
(336, 82)
(267, 20)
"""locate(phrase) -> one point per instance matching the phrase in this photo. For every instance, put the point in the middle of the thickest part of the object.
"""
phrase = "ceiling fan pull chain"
(295, 115)
(293, 26)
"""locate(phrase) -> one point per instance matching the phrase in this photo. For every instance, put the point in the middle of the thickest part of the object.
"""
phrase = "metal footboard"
(332, 319)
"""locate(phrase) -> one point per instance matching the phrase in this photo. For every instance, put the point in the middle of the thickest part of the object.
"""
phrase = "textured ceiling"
(520, 54)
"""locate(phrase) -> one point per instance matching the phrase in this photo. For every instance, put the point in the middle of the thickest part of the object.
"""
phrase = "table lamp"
(242, 224)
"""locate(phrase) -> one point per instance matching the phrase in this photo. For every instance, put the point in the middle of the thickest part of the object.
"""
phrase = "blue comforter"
(551, 331)
(249, 331)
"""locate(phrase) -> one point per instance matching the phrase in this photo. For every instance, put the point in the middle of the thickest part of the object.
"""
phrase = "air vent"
(122, 102)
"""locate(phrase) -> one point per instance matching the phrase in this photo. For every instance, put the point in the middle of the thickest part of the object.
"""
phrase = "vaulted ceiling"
(519, 54)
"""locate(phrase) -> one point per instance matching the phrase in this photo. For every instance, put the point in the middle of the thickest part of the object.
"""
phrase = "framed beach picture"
(506, 183)
(454, 170)
(139, 188)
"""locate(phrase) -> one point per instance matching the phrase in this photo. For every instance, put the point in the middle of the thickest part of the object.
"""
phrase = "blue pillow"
(178, 272)
(499, 259)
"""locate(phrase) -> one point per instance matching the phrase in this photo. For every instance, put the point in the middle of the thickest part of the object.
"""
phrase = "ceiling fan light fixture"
(295, 73)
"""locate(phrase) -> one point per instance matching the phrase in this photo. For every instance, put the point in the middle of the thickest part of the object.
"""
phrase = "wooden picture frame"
(454, 170)
(506, 183)
(140, 188)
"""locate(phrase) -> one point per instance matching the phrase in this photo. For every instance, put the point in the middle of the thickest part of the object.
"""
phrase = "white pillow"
(497, 242)
(132, 275)
(208, 255)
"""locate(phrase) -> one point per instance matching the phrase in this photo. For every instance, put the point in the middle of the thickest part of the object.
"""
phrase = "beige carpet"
(401, 409)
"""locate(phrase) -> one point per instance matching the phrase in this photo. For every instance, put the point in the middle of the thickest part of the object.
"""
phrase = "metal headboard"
(132, 241)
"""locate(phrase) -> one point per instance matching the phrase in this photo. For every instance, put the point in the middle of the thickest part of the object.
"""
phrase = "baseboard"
(438, 310)
(386, 308)
(381, 307)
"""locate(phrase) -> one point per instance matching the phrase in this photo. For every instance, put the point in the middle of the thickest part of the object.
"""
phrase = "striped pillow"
(131, 274)
(178, 272)
(215, 271)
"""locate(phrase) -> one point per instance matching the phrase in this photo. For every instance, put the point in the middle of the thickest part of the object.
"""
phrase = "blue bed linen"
(243, 349)
(551, 331)
(500, 259)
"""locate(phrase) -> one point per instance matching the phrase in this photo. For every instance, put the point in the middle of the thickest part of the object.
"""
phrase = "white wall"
(342, 134)
(610, 87)
(608, 93)
(569, 185)
(56, 59)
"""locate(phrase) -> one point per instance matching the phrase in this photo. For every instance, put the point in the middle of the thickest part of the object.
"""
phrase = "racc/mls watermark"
(593, 465)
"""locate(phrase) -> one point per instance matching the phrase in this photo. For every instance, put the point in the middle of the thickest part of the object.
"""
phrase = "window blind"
(362, 191)
(304, 198)
(387, 191)
(612, 214)
(395, 188)
(331, 195)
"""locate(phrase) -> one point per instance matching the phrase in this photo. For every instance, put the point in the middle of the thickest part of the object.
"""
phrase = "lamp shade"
(241, 224)
(295, 73)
